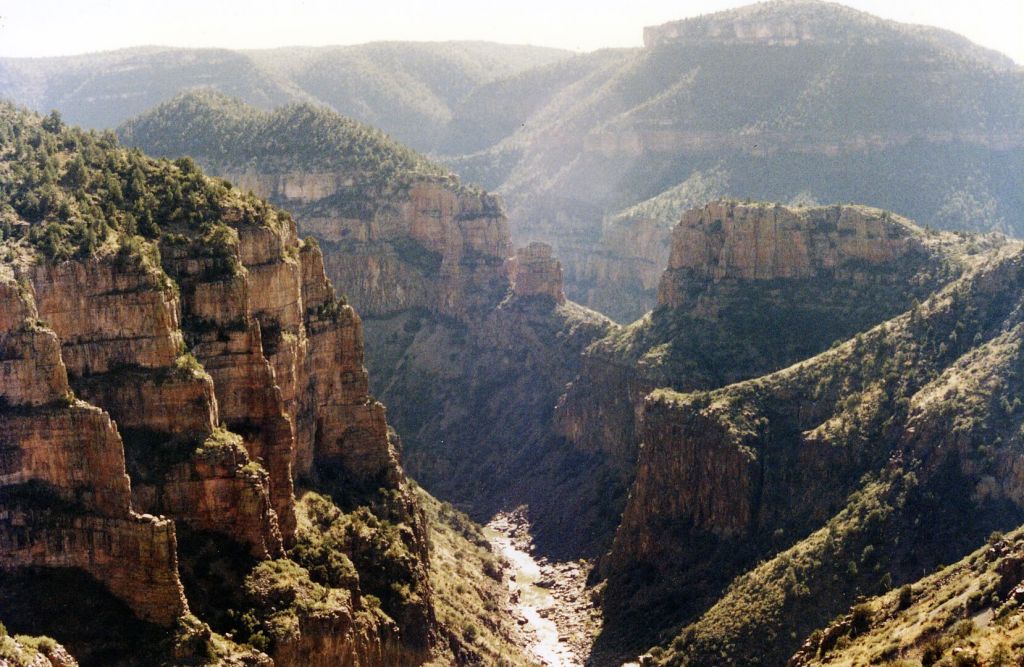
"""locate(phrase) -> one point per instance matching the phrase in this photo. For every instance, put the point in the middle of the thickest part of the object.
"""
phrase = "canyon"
(761, 446)
(210, 377)
(747, 290)
(767, 101)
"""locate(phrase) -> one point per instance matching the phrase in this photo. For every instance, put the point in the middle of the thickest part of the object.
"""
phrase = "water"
(548, 648)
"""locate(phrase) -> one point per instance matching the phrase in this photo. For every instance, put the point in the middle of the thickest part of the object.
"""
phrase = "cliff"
(60, 448)
(197, 371)
(454, 325)
(799, 22)
(751, 288)
(536, 272)
(863, 445)
(782, 22)
(397, 230)
(729, 242)
(429, 244)
(504, 371)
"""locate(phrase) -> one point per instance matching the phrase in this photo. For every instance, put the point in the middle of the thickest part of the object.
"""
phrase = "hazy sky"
(57, 27)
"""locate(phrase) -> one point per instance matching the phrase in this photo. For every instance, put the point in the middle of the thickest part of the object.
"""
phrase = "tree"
(53, 123)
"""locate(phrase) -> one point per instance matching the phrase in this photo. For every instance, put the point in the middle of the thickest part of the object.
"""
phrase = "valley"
(551, 597)
(703, 353)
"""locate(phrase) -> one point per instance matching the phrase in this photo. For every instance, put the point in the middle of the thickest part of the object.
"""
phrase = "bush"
(906, 597)
(861, 618)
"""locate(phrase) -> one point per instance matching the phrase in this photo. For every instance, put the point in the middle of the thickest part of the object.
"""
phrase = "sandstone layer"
(429, 244)
(56, 447)
(750, 288)
(858, 446)
(535, 272)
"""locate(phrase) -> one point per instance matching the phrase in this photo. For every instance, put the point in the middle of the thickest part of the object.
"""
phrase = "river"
(544, 593)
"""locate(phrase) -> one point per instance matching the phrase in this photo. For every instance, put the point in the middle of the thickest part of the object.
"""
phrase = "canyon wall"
(187, 365)
(749, 288)
(896, 420)
(64, 496)
(431, 243)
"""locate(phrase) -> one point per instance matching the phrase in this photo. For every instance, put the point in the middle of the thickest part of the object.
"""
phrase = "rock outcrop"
(725, 241)
(118, 320)
(429, 244)
(859, 446)
(454, 329)
(64, 496)
(779, 22)
(194, 369)
(750, 288)
(536, 272)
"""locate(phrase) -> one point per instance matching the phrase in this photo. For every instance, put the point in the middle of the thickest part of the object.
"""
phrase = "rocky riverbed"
(556, 608)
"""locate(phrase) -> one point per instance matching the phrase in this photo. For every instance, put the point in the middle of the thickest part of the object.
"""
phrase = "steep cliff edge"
(170, 346)
(65, 495)
(457, 330)
(751, 288)
(398, 232)
(844, 474)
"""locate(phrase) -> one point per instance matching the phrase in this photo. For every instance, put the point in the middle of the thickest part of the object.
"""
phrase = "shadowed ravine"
(550, 597)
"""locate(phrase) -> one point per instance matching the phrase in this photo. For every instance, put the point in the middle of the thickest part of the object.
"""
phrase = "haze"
(60, 27)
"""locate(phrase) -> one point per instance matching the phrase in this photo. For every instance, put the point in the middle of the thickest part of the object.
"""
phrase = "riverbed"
(551, 597)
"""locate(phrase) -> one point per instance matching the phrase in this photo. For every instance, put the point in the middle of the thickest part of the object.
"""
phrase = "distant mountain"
(409, 88)
(784, 99)
(792, 100)
(227, 135)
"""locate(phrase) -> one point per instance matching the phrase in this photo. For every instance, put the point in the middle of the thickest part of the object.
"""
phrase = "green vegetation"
(668, 207)
(280, 595)
(410, 251)
(229, 136)
(80, 192)
(22, 650)
(379, 541)
(469, 588)
(962, 616)
(904, 423)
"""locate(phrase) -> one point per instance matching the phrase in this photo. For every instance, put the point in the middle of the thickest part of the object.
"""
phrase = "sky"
(62, 27)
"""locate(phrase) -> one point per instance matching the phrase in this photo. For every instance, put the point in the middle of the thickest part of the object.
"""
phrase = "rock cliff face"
(781, 22)
(456, 329)
(57, 447)
(429, 244)
(197, 371)
(620, 278)
(502, 372)
(536, 272)
(750, 288)
(118, 322)
(726, 241)
(274, 310)
(894, 420)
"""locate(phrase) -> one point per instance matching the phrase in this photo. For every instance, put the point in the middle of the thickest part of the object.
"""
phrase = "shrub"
(861, 618)
(906, 597)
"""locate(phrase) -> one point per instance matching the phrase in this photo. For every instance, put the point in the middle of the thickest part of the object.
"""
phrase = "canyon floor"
(551, 599)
